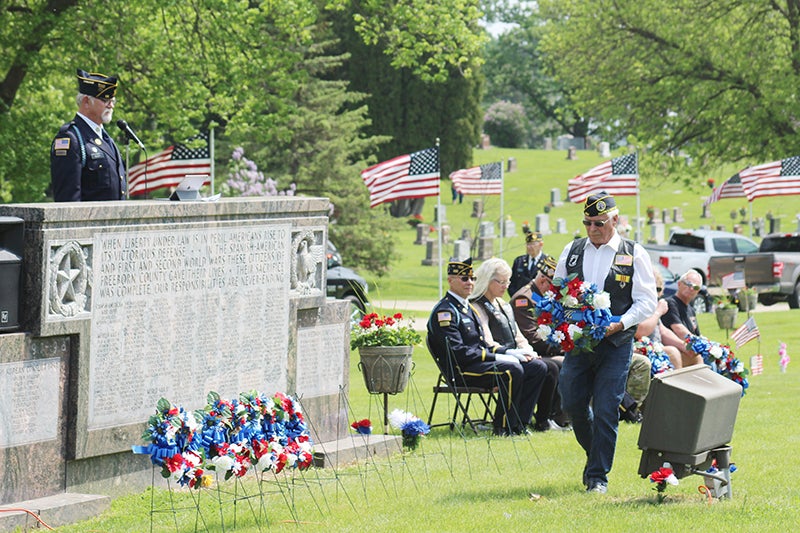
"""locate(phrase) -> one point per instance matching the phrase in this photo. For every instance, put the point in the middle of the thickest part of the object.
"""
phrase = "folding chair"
(462, 393)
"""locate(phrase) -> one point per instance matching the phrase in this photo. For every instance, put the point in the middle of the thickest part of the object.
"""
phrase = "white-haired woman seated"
(500, 329)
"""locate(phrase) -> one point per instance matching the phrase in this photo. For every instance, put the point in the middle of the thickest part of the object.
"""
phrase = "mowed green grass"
(527, 191)
(456, 484)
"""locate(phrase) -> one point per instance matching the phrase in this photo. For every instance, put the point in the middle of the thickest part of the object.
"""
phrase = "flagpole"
(638, 236)
(211, 154)
(439, 217)
(502, 194)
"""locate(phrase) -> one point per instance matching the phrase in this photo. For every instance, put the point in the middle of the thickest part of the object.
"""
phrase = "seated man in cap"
(593, 383)
(85, 164)
(456, 341)
(524, 267)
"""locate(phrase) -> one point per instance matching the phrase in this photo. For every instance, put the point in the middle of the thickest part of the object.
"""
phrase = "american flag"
(756, 365)
(406, 176)
(732, 188)
(168, 168)
(485, 179)
(779, 178)
(618, 177)
(734, 280)
(746, 332)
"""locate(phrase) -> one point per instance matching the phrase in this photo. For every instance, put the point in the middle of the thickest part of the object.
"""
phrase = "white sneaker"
(554, 426)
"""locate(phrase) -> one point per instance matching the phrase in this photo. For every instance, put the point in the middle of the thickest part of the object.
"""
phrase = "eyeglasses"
(110, 101)
(691, 285)
(467, 278)
(596, 223)
(503, 283)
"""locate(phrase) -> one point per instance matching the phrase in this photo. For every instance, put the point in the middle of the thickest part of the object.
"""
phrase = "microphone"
(129, 133)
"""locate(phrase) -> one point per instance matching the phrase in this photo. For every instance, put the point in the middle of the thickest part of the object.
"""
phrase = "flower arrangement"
(710, 183)
(411, 427)
(362, 427)
(725, 301)
(227, 436)
(659, 360)
(662, 477)
(784, 357)
(376, 330)
(720, 358)
(573, 315)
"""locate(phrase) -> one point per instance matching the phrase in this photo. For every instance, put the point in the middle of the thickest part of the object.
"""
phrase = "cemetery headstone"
(477, 209)
(436, 213)
(561, 226)
(657, 232)
(485, 248)
(543, 223)
(422, 233)
(555, 197)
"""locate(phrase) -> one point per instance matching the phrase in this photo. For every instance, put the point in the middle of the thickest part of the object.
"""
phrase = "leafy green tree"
(516, 71)
(715, 80)
(506, 124)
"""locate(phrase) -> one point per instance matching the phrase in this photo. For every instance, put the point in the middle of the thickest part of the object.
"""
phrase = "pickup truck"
(774, 271)
(691, 249)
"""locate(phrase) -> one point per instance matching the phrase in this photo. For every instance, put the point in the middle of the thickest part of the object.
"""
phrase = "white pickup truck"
(691, 249)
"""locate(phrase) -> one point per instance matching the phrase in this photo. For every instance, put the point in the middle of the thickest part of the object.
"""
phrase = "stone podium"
(123, 303)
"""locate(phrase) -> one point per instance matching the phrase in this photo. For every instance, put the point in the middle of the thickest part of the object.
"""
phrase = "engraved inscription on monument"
(177, 314)
(320, 361)
(23, 421)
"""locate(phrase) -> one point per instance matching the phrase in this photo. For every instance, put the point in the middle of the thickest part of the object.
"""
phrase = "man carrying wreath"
(592, 383)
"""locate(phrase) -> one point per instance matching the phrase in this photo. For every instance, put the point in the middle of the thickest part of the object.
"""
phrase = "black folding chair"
(462, 394)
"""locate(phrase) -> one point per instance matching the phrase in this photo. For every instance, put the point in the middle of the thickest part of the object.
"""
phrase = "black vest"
(618, 284)
(502, 328)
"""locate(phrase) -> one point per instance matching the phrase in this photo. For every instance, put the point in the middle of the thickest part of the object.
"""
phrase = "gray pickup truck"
(774, 271)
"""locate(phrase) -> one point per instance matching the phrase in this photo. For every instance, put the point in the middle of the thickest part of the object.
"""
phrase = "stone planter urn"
(385, 368)
(726, 317)
(747, 302)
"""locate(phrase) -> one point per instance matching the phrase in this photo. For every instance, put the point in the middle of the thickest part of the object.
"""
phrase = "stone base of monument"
(343, 452)
(55, 511)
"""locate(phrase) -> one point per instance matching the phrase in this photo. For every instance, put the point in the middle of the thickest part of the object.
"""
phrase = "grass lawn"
(481, 484)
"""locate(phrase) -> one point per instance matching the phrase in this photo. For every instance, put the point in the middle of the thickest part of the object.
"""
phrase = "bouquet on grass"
(410, 426)
(573, 315)
(720, 358)
(659, 360)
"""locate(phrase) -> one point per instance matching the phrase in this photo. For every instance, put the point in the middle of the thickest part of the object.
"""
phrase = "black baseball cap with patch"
(598, 204)
(97, 85)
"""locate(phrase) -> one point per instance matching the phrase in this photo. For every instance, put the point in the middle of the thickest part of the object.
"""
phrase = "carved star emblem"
(66, 280)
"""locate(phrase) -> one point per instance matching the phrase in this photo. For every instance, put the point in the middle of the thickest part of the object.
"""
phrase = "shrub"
(506, 124)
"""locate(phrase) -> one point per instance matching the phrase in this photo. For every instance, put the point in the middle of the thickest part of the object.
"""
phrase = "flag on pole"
(746, 332)
(168, 168)
(482, 180)
(731, 188)
(734, 280)
(756, 365)
(778, 178)
(618, 177)
(407, 176)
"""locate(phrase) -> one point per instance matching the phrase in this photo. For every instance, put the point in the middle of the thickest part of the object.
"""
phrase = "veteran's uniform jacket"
(84, 166)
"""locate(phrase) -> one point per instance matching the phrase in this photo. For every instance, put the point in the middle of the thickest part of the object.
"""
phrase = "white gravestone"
(543, 223)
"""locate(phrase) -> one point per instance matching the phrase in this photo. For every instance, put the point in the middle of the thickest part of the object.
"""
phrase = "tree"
(516, 71)
(716, 80)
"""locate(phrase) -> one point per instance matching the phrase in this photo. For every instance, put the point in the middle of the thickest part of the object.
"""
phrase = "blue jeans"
(592, 386)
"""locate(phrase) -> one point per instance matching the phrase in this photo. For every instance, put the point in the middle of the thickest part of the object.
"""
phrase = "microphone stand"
(127, 165)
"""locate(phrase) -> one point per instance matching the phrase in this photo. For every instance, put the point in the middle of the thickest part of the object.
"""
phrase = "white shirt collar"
(458, 298)
(96, 128)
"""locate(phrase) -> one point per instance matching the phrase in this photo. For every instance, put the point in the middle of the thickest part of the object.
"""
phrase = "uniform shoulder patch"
(61, 143)
(521, 302)
(444, 318)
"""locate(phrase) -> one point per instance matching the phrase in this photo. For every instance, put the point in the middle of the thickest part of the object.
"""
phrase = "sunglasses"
(596, 223)
(691, 285)
(467, 278)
